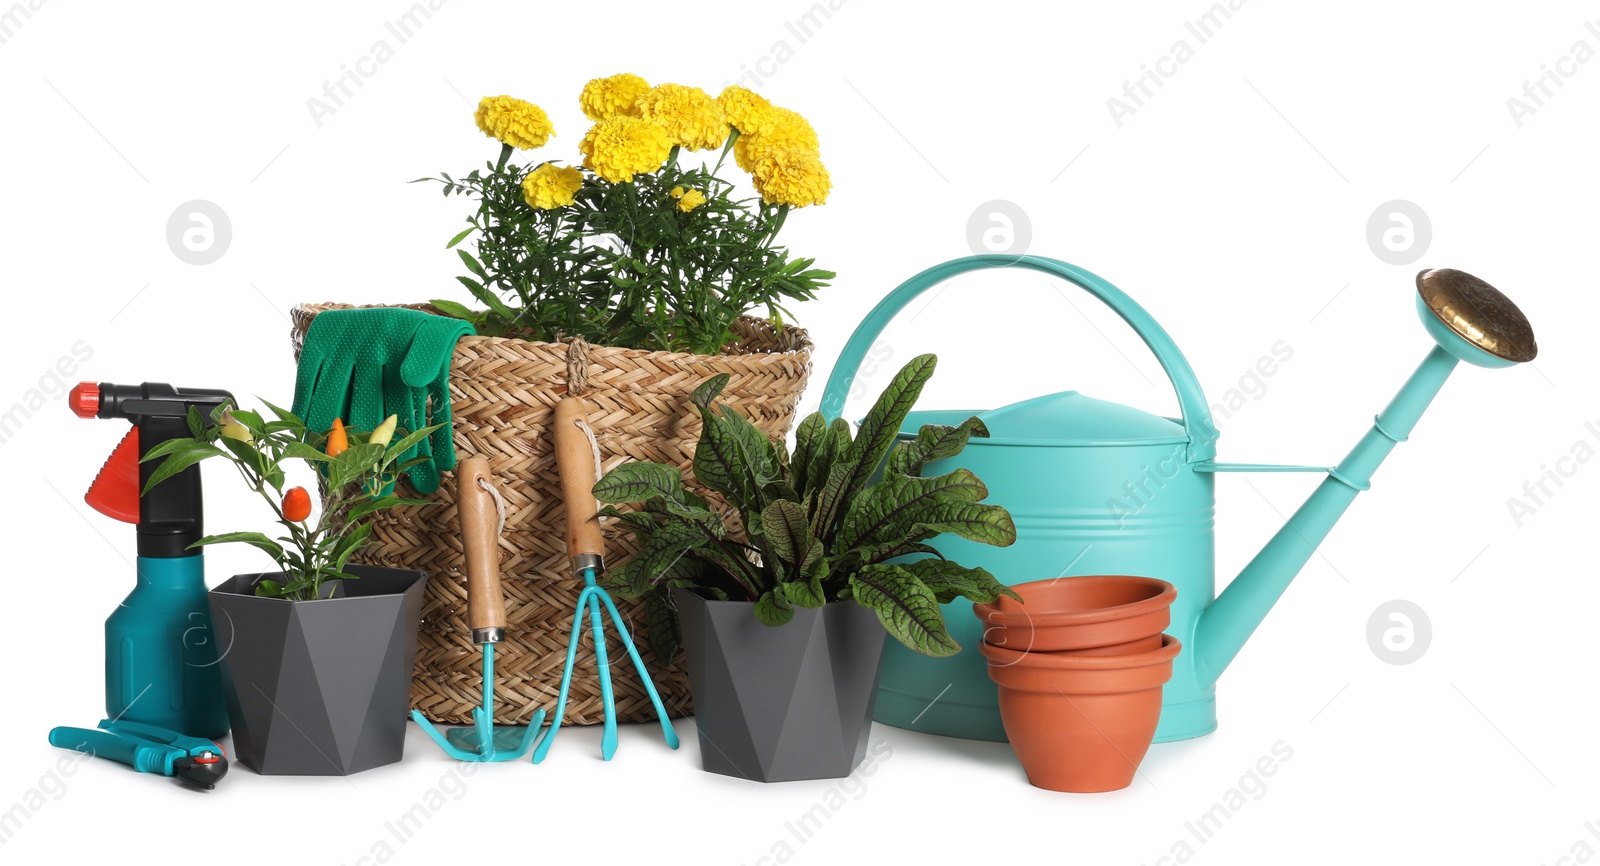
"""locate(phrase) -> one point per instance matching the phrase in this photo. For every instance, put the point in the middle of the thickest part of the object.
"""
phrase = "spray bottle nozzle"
(146, 402)
(85, 399)
(169, 516)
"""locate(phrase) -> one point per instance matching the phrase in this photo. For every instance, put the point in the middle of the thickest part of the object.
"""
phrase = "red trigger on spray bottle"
(115, 491)
(161, 658)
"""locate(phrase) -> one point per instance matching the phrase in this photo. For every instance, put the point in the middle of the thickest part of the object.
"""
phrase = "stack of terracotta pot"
(1080, 663)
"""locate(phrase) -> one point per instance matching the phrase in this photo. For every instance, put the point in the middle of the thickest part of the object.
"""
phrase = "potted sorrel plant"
(316, 655)
(784, 624)
(643, 258)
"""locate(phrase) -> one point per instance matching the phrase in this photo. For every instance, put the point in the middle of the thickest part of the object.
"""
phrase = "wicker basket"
(502, 394)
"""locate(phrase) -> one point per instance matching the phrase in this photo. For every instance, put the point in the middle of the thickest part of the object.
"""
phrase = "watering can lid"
(1070, 418)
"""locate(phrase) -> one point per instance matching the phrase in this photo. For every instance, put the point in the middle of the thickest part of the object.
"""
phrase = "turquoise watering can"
(1101, 488)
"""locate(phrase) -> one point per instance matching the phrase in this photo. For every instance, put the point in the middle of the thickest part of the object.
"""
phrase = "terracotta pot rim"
(1164, 595)
(1000, 656)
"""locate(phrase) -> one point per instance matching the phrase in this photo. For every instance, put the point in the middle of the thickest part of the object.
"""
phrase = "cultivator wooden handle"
(575, 460)
(480, 538)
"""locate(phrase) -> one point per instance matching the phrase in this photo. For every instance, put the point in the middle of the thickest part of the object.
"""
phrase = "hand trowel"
(486, 616)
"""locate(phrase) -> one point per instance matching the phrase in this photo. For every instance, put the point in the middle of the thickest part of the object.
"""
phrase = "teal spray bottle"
(162, 662)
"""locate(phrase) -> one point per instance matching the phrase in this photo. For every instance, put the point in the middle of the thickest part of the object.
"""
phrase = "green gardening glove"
(362, 366)
(425, 374)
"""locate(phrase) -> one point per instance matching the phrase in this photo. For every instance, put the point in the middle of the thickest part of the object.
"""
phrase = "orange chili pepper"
(296, 504)
(338, 441)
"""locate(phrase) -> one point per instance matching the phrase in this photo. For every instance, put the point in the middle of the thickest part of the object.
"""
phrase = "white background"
(1233, 205)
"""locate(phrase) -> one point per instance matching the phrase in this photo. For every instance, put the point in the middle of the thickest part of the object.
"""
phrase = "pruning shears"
(149, 749)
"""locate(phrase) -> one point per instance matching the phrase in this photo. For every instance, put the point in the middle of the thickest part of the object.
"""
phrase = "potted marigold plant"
(627, 269)
(316, 655)
(785, 623)
(640, 247)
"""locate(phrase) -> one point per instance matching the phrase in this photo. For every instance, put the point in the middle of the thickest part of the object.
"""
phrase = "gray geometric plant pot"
(319, 688)
(781, 704)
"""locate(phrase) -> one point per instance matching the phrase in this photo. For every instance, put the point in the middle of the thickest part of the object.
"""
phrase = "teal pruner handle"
(162, 661)
(146, 748)
(1196, 412)
(104, 744)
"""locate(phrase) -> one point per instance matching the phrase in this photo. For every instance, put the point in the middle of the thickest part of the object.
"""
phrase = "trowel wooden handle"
(480, 536)
(575, 462)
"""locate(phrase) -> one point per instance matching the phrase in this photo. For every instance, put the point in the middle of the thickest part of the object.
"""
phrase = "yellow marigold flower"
(784, 130)
(551, 186)
(744, 109)
(792, 176)
(619, 147)
(688, 114)
(604, 98)
(513, 121)
(690, 200)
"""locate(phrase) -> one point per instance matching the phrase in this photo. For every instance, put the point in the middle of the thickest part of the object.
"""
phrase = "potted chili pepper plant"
(317, 655)
(783, 625)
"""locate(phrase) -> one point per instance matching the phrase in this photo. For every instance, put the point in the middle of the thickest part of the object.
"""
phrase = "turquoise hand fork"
(576, 461)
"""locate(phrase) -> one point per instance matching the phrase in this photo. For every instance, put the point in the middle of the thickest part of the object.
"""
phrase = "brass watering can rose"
(1478, 313)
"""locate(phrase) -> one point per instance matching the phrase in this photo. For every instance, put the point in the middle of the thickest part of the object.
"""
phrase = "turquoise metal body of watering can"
(1101, 488)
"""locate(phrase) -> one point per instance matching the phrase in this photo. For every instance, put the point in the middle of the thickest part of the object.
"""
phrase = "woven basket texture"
(502, 394)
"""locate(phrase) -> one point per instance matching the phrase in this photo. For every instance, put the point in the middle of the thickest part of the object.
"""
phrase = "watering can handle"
(1197, 422)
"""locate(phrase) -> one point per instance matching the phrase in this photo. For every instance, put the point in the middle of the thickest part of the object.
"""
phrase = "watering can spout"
(1470, 321)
